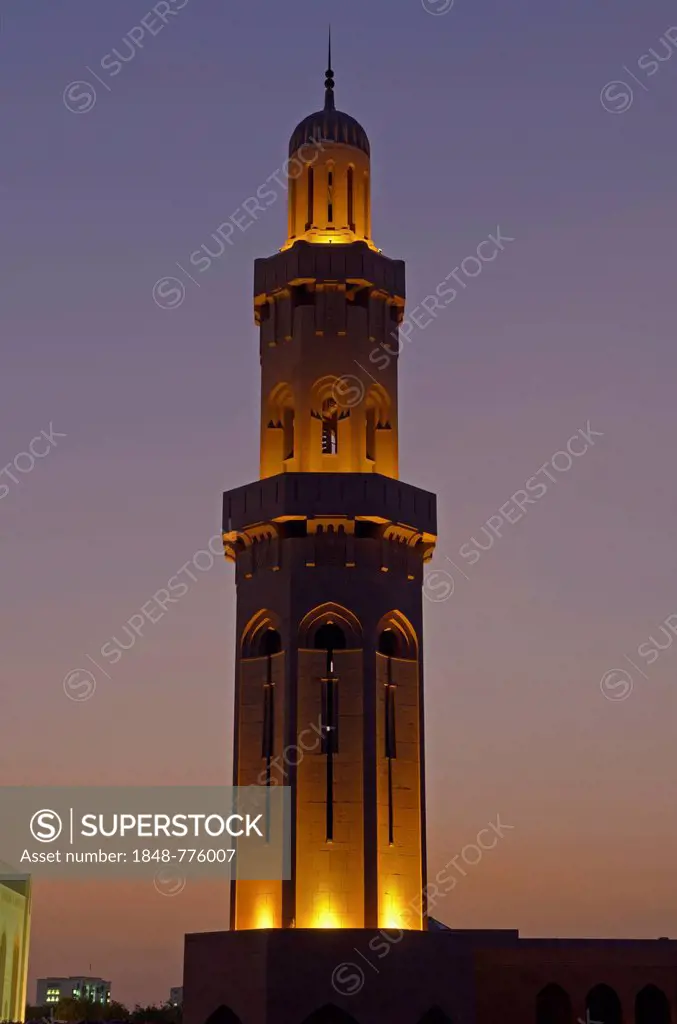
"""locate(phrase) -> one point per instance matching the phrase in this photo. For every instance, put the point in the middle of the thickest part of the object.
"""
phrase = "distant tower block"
(329, 548)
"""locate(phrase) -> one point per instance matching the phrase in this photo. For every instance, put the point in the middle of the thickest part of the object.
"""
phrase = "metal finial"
(329, 81)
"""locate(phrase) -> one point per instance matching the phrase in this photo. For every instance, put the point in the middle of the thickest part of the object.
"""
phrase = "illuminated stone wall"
(399, 864)
(258, 904)
(330, 876)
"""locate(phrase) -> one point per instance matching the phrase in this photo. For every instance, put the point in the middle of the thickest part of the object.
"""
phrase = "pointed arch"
(257, 636)
(330, 388)
(280, 415)
(377, 397)
(402, 642)
(330, 614)
(329, 1014)
(652, 1006)
(553, 1006)
(223, 1015)
(602, 1003)
(435, 1016)
(377, 416)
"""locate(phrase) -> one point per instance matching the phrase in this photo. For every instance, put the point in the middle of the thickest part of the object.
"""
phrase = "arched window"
(603, 1004)
(397, 636)
(388, 643)
(281, 416)
(377, 417)
(261, 636)
(553, 1006)
(330, 614)
(652, 1006)
(261, 640)
(351, 198)
(329, 427)
(330, 637)
(311, 197)
(270, 643)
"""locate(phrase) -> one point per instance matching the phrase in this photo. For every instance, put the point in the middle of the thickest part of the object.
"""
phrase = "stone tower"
(329, 547)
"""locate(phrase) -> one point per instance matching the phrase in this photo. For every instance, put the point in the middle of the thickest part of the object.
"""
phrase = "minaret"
(329, 547)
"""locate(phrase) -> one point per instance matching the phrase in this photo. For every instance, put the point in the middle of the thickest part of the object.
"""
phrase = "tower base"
(315, 976)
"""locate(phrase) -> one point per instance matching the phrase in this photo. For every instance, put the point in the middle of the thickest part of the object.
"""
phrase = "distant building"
(176, 996)
(51, 990)
(15, 920)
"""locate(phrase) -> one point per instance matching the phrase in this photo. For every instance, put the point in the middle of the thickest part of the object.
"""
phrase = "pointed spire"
(329, 81)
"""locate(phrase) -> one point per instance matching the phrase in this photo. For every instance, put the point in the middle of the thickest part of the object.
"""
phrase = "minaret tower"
(329, 547)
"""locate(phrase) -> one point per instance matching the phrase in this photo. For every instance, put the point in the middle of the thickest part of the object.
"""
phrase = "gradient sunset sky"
(488, 115)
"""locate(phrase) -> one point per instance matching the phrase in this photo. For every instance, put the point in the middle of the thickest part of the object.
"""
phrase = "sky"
(551, 123)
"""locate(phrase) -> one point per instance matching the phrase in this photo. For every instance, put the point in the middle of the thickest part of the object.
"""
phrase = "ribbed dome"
(330, 125)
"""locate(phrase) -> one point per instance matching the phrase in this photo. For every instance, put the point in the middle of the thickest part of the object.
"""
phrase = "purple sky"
(487, 115)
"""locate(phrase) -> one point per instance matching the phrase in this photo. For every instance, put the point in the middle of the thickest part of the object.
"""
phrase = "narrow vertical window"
(330, 709)
(311, 197)
(270, 644)
(366, 205)
(329, 638)
(351, 199)
(329, 427)
(330, 196)
(268, 715)
(388, 647)
(391, 746)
